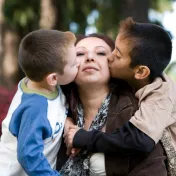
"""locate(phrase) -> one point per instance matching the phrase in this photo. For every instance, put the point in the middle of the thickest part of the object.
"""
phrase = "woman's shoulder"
(122, 106)
(120, 87)
(123, 93)
(118, 83)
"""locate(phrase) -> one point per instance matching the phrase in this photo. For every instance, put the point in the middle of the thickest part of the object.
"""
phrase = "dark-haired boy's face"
(119, 62)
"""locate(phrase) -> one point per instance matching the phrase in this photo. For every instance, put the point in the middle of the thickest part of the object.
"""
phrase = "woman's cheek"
(106, 73)
(78, 76)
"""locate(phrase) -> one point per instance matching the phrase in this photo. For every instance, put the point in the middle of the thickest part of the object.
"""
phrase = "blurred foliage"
(22, 16)
(78, 15)
(161, 5)
(78, 11)
(108, 22)
(171, 70)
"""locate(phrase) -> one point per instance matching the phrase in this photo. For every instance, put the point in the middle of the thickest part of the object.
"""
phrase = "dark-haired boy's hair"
(150, 45)
(43, 51)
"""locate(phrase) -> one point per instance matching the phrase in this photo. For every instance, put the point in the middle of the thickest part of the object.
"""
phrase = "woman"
(106, 107)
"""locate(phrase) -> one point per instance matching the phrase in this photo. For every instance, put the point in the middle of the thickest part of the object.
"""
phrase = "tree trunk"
(54, 15)
(135, 8)
(10, 66)
(1, 44)
(48, 14)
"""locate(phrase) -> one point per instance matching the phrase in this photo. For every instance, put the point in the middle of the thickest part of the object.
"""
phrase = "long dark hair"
(70, 90)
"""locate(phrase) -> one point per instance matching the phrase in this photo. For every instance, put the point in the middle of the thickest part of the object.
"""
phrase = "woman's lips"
(89, 68)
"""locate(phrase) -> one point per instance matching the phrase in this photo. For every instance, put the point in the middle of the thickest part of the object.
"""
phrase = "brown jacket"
(121, 108)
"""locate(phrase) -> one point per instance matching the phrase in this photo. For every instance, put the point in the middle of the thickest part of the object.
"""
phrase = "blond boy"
(31, 132)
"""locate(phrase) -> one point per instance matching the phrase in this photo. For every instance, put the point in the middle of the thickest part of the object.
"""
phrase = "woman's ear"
(52, 79)
(141, 72)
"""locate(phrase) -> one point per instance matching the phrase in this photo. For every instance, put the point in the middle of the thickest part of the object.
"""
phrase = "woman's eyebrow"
(119, 50)
(81, 47)
(101, 46)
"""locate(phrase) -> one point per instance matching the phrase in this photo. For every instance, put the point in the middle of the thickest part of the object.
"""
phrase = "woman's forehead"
(92, 42)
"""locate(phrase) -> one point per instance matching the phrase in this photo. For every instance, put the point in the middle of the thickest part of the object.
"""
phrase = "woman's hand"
(68, 139)
(75, 151)
(68, 123)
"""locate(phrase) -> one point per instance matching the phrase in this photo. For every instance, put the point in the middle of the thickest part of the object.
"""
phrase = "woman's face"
(93, 54)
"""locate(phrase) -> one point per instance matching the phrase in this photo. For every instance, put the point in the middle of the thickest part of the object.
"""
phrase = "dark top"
(127, 140)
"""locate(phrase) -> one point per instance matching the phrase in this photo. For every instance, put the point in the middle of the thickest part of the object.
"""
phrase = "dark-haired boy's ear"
(52, 79)
(141, 72)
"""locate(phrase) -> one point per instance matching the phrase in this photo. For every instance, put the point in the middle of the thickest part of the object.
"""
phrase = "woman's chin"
(91, 83)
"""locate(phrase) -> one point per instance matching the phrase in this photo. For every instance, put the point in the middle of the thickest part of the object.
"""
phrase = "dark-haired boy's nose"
(111, 57)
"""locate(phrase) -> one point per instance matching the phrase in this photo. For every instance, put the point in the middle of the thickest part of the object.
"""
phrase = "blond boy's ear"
(141, 72)
(52, 79)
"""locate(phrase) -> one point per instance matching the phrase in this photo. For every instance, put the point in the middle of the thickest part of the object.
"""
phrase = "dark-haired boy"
(31, 132)
(141, 54)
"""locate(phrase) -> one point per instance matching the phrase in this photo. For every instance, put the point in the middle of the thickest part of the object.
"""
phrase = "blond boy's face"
(71, 66)
(119, 62)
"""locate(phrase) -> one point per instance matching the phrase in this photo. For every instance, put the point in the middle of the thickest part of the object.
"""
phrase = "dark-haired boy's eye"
(118, 57)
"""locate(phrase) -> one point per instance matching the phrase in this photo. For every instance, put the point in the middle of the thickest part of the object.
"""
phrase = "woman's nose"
(90, 57)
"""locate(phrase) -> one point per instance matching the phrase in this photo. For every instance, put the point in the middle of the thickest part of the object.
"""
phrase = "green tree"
(21, 17)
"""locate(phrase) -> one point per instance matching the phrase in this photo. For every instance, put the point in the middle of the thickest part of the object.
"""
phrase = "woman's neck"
(91, 99)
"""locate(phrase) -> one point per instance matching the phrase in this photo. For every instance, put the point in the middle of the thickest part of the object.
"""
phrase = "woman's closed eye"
(80, 54)
(101, 53)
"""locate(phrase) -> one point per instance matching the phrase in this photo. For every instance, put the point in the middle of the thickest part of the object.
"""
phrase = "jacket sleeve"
(154, 115)
(127, 140)
(34, 128)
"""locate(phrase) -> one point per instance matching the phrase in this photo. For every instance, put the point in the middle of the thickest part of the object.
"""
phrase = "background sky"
(169, 22)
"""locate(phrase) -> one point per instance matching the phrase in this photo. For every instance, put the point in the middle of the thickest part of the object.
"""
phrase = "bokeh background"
(19, 17)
